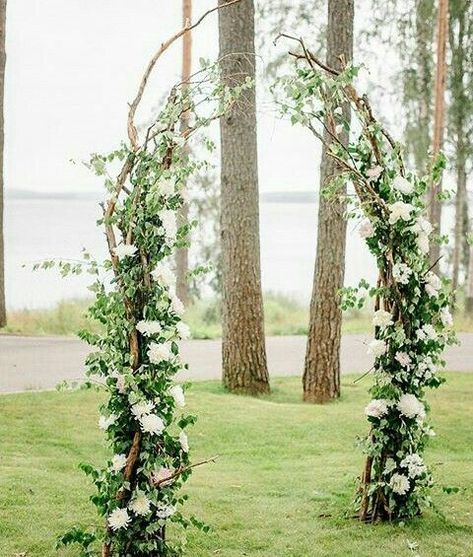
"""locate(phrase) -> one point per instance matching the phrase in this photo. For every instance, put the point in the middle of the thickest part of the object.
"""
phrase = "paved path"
(34, 363)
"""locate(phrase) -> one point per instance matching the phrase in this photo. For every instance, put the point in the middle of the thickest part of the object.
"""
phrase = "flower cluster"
(412, 320)
(137, 355)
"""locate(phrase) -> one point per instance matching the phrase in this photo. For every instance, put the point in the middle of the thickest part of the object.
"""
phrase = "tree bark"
(321, 379)
(435, 210)
(469, 286)
(3, 19)
(182, 254)
(243, 343)
(459, 234)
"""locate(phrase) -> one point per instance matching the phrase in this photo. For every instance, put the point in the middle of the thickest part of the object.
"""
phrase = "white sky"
(73, 65)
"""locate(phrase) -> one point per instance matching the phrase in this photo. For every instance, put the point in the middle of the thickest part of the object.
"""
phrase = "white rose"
(399, 484)
(124, 250)
(183, 330)
(164, 275)
(119, 518)
(374, 172)
(140, 505)
(402, 185)
(148, 328)
(159, 352)
(377, 348)
(400, 210)
(446, 317)
(151, 423)
(118, 462)
(410, 406)
(403, 358)
(169, 223)
(382, 318)
(377, 408)
(177, 394)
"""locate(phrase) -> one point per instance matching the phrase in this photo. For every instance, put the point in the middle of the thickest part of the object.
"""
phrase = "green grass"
(280, 488)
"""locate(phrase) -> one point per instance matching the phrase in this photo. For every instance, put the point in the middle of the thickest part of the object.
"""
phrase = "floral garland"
(412, 322)
(138, 354)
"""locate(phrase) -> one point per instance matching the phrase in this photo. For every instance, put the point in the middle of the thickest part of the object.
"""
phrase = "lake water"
(37, 229)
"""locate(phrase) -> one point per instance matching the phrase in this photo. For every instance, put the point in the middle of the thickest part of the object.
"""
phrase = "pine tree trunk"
(3, 18)
(182, 254)
(435, 210)
(243, 344)
(321, 380)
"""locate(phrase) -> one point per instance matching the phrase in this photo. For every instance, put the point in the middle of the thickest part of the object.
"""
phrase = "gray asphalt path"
(35, 363)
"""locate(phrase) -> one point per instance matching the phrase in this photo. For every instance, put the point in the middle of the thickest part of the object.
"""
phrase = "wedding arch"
(412, 322)
(137, 355)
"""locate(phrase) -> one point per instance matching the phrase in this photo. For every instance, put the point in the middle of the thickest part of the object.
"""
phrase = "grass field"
(280, 487)
(283, 316)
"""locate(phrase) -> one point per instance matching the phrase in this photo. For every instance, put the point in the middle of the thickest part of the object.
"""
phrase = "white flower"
(377, 348)
(402, 273)
(177, 394)
(377, 408)
(165, 511)
(169, 223)
(423, 242)
(422, 226)
(119, 518)
(183, 330)
(339, 129)
(427, 332)
(400, 484)
(166, 187)
(176, 305)
(141, 408)
(158, 352)
(162, 476)
(366, 229)
(148, 328)
(402, 185)
(151, 423)
(426, 368)
(446, 317)
(374, 172)
(140, 505)
(164, 275)
(403, 358)
(432, 284)
(106, 421)
(124, 250)
(184, 441)
(118, 462)
(400, 210)
(414, 464)
(382, 318)
(410, 406)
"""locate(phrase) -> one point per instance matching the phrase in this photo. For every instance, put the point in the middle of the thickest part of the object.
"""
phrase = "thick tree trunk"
(243, 344)
(182, 255)
(3, 19)
(435, 210)
(321, 380)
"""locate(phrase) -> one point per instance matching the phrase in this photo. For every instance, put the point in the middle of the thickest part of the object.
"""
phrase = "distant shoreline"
(265, 197)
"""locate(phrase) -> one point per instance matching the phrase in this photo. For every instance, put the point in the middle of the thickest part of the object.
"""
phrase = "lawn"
(280, 487)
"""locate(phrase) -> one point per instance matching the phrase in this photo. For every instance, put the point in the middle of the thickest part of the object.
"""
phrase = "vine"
(137, 355)
(412, 323)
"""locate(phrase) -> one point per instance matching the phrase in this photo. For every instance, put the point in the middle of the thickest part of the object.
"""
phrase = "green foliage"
(412, 319)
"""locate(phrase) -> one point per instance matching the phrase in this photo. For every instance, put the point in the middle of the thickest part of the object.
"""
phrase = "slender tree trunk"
(321, 380)
(469, 286)
(459, 233)
(435, 211)
(182, 255)
(243, 344)
(3, 20)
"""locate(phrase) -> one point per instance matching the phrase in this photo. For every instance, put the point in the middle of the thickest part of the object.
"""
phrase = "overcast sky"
(73, 65)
